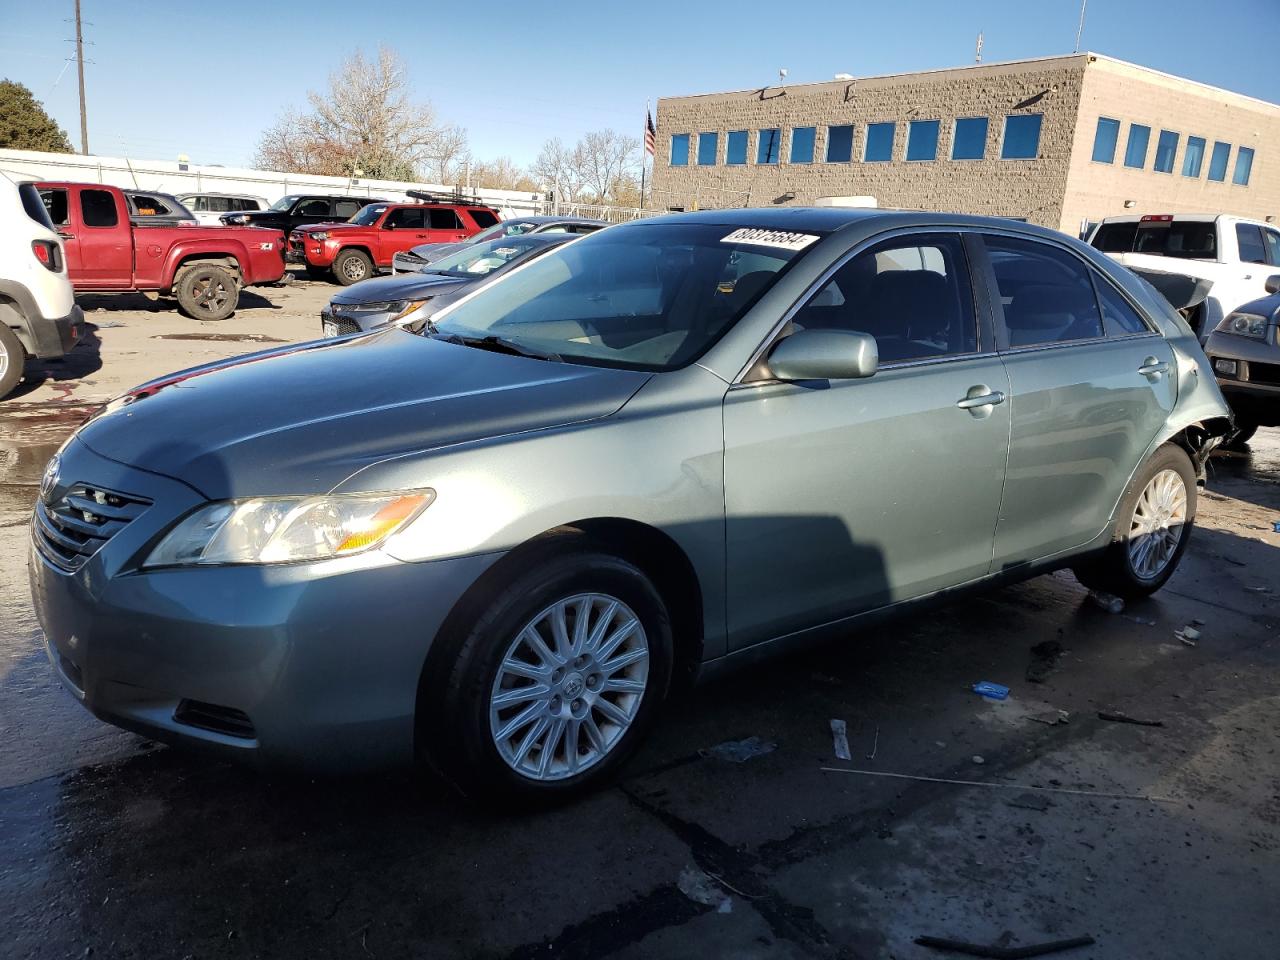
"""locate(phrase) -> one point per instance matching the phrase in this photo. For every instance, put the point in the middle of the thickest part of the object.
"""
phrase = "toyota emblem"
(50, 478)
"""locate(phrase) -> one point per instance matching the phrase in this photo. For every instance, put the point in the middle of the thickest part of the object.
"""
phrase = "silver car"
(650, 454)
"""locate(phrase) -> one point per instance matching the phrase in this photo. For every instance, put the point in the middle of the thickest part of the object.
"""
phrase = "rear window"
(1187, 239)
(1115, 237)
(148, 206)
(483, 218)
(445, 219)
(34, 207)
(98, 208)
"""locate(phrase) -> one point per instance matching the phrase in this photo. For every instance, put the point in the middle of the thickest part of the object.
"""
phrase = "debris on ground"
(1051, 717)
(992, 691)
(840, 736)
(1145, 621)
(1098, 794)
(875, 746)
(1107, 601)
(700, 888)
(1125, 718)
(1044, 658)
(979, 760)
(998, 952)
(1275, 526)
(1188, 635)
(740, 751)
(1030, 801)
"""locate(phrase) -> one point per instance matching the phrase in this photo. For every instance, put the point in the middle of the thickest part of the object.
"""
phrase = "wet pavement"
(112, 847)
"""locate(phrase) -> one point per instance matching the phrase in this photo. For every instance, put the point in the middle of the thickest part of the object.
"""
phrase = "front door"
(1091, 385)
(844, 496)
(102, 236)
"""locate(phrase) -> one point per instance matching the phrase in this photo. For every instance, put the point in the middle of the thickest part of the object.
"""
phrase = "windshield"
(284, 203)
(508, 228)
(477, 259)
(1188, 239)
(367, 216)
(645, 296)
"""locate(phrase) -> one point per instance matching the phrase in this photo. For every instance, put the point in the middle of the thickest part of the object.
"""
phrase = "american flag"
(650, 134)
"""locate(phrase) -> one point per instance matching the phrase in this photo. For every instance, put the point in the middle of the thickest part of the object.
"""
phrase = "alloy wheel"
(353, 269)
(1156, 528)
(569, 686)
(210, 293)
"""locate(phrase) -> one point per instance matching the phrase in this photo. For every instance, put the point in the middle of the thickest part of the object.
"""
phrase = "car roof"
(542, 220)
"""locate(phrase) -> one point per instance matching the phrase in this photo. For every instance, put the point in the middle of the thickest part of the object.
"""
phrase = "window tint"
(1166, 150)
(1249, 239)
(708, 147)
(1218, 161)
(840, 143)
(736, 154)
(312, 208)
(483, 218)
(970, 140)
(406, 218)
(345, 209)
(922, 140)
(768, 145)
(679, 150)
(1191, 239)
(1193, 159)
(55, 201)
(1105, 138)
(879, 145)
(1272, 240)
(911, 293)
(443, 219)
(98, 208)
(1135, 150)
(149, 206)
(1244, 166)
(1119, 319)
(1046, 294)
(802, 140)
(1021, 136)
(1115, 237)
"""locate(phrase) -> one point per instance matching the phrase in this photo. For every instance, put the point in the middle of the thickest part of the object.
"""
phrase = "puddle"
(220, 337)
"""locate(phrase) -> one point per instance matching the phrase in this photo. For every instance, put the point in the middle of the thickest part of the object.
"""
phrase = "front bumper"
(301, 249)
(337, 324)
(317, 663)
(1254, 387)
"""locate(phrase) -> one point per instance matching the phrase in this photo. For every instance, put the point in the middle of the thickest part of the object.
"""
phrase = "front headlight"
(397, 308)
(320, 235)
(1243, 325)
(287, 529)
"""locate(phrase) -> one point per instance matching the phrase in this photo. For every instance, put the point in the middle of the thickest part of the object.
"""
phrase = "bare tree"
(502, 174)
(610, 164)
(447, 156)
(558, 168)
(364, 121)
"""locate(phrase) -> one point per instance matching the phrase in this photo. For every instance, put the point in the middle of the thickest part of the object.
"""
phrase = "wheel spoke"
(582, 614)
(520, 695)
(612, 712)
(594, 736)
(610, 667)
(521, 669)
(616, 639)
(530, 738)
(571, 745)
(524, 717)
(560, 631)
(549, 747)
(602, 625)
(539, 646)
(622, 686)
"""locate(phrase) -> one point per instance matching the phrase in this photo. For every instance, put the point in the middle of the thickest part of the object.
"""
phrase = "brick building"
(1056, 141)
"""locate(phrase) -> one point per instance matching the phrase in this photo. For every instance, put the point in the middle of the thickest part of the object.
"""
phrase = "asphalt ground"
(735, 832)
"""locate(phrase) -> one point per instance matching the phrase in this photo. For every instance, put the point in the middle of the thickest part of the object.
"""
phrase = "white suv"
(38, 313)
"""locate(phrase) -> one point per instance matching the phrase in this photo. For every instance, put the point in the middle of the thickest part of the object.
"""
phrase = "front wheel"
(207, 292)
(553, 687)
(1241, 433)
(352, 266)
(12, 358)
(1153, 526)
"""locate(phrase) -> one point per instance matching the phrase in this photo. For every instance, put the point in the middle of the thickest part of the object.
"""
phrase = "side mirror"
(825, 355)
(1273, 283)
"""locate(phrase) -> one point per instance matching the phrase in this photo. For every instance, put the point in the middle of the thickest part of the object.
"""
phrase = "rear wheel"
(352, 266)
(207, 292)
(1152, 529)
(12, 357)
(1242, 433)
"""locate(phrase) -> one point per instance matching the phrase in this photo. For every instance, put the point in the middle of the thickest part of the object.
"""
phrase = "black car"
(297, 209)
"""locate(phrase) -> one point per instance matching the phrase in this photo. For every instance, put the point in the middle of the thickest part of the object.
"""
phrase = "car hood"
(327, 225)
(402, 286)
(301, 419)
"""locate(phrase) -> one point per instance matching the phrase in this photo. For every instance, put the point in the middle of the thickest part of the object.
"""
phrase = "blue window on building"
(802, 140)
(970, 139)
(879, 145)
(1021, 136)
(1166, 150)
(679, 149)
(1194, 157)
(1135, 151)
(840, 143)
(1105, 139)
(708, 148)
(1218, 161)
(922, 140)
(1244, 166)
(736, 152)
(768, 145)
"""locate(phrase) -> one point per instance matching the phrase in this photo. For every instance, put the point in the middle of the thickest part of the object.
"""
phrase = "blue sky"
(205, 80)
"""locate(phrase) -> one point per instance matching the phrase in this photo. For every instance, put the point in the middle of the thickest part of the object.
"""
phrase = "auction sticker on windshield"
(759, 237)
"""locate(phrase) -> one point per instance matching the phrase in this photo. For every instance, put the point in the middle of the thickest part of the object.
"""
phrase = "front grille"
(1265, 373)
(344, 326)
(74, 527)
(210, 716)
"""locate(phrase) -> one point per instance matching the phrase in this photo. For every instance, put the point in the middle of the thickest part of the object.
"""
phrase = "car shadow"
(250, 299)
(84, 360)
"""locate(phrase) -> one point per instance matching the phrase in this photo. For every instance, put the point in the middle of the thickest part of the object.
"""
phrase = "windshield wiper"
(504, 345)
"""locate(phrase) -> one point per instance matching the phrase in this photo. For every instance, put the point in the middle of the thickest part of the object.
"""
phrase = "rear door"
(445, 226)
(401, 229)
(313, 210)
(1090, 383)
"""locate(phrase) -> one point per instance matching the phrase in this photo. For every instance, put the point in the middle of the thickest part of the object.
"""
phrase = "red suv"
(349, 252)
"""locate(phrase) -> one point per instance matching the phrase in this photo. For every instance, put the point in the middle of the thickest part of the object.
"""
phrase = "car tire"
(1152, 529)
(352, 266)
(1239, 437)
(12, 358)
(207, 291)
(463, 728)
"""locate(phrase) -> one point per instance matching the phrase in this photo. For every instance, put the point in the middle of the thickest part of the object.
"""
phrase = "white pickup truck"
(1234, 255)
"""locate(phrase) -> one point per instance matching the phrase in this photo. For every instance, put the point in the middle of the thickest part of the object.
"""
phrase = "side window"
(1046, 293)
(483, 218)
(1249, 239)
(220, 205)
(197, 204)
(406, 218)
(442, 218)
(558, 228)
(1119, 319)
(1272, 238)
(55, 201)
(312, 208)
(98, 208)
(911, 293)
(346, 209)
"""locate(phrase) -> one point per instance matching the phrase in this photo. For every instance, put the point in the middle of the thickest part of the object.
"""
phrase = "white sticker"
(759, 237)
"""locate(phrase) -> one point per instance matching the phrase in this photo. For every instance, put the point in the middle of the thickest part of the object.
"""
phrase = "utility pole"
(84, 117)
(1080, 28)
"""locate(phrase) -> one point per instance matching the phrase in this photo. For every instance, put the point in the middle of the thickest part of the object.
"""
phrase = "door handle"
(1152, 368)
(66, 236)
(982, 400)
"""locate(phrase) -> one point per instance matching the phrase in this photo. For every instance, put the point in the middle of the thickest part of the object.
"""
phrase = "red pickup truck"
(204, 267)
(350, 251)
